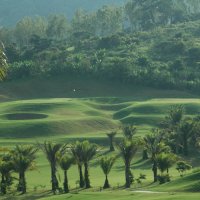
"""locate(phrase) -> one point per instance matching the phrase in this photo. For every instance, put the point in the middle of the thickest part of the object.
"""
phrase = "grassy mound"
(86, 116)
(188, 183)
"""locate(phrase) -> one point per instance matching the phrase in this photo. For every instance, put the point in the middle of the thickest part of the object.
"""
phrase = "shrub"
(164, 178)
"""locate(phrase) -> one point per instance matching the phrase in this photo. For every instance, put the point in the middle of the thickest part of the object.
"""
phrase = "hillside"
(11, 11)
(68, 108)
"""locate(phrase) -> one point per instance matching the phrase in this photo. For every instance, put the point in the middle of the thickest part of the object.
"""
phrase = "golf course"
(66, 120)
(99, 99)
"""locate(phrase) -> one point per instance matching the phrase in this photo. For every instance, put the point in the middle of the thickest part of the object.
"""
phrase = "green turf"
(112, 195)
(64, 117)
(28, 116)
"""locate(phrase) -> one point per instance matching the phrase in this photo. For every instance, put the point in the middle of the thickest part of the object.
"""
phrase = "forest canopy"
(151, 42)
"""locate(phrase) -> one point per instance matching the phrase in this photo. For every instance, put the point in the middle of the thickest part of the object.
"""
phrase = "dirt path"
(148, 192)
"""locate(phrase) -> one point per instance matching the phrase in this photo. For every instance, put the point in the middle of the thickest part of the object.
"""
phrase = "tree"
(186, 131)
(172, 123)
(109, 20)
(65, 163)
(89, 150)
(106, 164)
(182, 167)
(128, 149)
(3, 63)
(175, 116)
(154, 144)
(111, 137)
(6, 166)
(129, 131)
(51, 152)
(57, 27)
(83, 24)
(23, 158)
(165, 161)
(76, 150)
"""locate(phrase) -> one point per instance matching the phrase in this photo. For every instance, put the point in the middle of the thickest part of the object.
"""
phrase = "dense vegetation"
(112, 43)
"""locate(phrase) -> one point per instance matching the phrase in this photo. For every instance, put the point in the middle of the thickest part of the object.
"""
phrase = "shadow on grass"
(140, 164)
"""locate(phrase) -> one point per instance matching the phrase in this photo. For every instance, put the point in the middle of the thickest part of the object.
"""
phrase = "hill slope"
(56, 109)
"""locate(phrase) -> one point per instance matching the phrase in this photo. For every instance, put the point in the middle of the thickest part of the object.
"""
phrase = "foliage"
(164, 178)
(3, 64)
(182, 167)
(65, 163)
(165, 161)
(51, 151)
(129, 131)
(106, 164)
(23, 158)
(153, 48)
(128, 149)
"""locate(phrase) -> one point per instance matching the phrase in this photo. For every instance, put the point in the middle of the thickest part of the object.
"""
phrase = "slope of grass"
(67, 116)
(89, 117)
(118, 195)
(188, 183)
(66, 87)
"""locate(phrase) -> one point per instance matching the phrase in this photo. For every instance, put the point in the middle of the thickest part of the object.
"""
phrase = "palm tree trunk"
(81, 182)
(87, 180)
(3, 184)
(19, 187)
(145, 154)
(65, 184)
(54, 180)
(155, 171)
(111, 144)
(185, 147)
(22, 183)
(106, 184)
(127, 175)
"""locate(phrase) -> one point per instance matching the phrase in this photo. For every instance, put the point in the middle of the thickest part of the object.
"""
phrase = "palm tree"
(51, 151)
(111, 137)
(175, 116)
(128, 149)
(129, 131)
(23, 158)
(154, 144)
(106, 164)
(6, 166)
(88, 152)
(171, 124)
(186, 131)
(76, 150)
(65, 163)
(3, 62)
(165, 161)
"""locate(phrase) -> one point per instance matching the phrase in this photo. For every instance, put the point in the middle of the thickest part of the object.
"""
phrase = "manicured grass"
(111, 195)
(64, 117)
(127, 196)
(34, 115)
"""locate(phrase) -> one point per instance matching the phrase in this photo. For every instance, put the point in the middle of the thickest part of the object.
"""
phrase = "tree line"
(163, 57)
(162, 52)
(164, 147)
(133, 16)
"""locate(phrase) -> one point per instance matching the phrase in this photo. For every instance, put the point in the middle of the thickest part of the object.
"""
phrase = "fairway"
(68, 119)
(84, 117)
